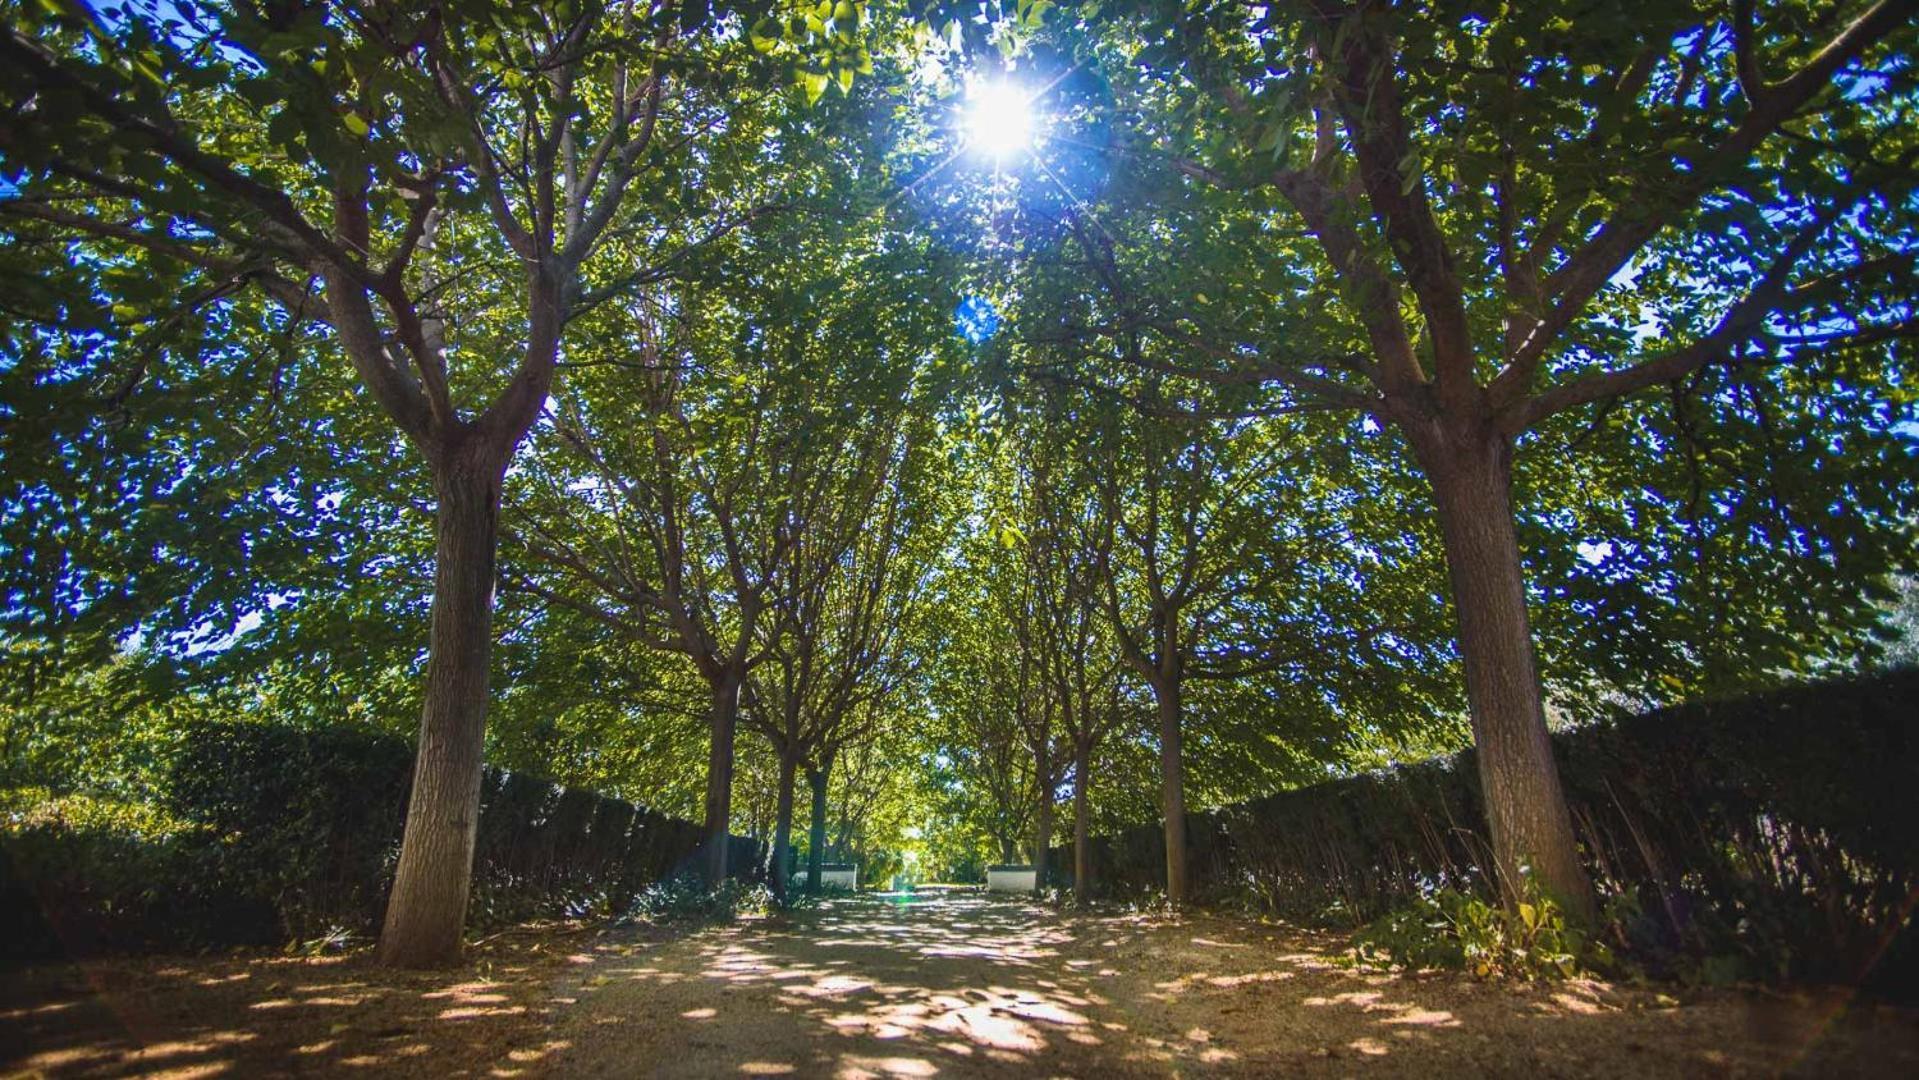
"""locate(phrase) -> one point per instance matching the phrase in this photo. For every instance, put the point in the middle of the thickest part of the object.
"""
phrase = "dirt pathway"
(955, 985)
(964, 985)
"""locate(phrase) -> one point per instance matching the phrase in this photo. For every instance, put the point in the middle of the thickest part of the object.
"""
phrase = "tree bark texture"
(816, 840)
(783, 826)
(723, 720)
(1043, 838)
(426, 911)
(1082, 826)
(1525, 804)
(1172, 784)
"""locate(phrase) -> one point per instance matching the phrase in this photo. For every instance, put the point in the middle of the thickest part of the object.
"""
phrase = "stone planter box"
(839, 876)
(1011, 879)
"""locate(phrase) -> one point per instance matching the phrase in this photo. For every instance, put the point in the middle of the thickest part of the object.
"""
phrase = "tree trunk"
(816, 839)
(783, 826)
(1518, 778)
(1082, 826)
(719, 775)
(1172, 789)
(1008, 851)
(426, 912)
(1043, 834)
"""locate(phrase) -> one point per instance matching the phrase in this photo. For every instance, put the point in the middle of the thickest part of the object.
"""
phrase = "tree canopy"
(682, 399)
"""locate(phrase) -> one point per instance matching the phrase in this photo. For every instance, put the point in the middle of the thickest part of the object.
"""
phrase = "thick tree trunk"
(1172, 789)
(426, 912)
(783, 826)
(1008, 851)
(723, 718)
(1525, 805)
(1082, 826)
(816, 837)
(1043, 838)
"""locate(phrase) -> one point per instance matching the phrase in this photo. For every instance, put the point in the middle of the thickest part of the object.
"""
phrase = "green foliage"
(687, 898)
(1765, 836)
(79, 874)
(799, 899)
(41, 808)
(1460, 930)
(307, 819)
(276, 834)
(758, 334)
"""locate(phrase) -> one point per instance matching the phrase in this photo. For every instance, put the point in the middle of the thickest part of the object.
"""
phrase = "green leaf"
(814, 83)
(765, 35)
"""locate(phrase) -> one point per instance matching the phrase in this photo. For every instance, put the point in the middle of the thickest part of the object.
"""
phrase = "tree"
(1172, 566)
(1074, 640)
(978, 679)
(1014, 595)
(835, 645)
(418, 167)
(872, 793)
(685, 499)
(1085, 677)
(1509, 219)
(732, 473)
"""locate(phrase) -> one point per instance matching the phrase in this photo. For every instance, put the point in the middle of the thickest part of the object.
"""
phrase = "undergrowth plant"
(1450, 928)
(687, 898)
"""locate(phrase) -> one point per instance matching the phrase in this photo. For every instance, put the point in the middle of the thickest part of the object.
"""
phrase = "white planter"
(840, 879)
(1015, 880)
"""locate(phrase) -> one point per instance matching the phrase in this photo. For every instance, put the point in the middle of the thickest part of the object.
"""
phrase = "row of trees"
(1130, 564)
(1361, 366)
(464, 199)
(1491, 238)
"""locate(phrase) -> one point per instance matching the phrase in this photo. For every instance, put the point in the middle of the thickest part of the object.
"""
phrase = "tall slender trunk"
(1172, 788)
(1043, 838)
(817, 778)
(722, 720)
(1082, 824)
(1525, 804)
(783, 825)
(426, 912)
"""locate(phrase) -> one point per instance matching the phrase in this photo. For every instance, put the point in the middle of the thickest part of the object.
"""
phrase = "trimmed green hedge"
(1772, 836)
(288, 835)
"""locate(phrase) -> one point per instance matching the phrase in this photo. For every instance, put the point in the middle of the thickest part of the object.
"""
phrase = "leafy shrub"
(1453, 929)
(80, 874)
(798, 900)
(685, 897)
(270, 833)
(316, 816)
(29, 808)
(310, 820)
(1764, 837)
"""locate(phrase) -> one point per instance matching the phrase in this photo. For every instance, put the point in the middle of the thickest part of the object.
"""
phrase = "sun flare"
(999, 119)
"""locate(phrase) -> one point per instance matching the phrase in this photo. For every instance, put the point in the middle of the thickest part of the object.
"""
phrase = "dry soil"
(943, 985)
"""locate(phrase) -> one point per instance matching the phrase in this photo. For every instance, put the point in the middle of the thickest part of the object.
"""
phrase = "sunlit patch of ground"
(948, 986)
(253, 1015)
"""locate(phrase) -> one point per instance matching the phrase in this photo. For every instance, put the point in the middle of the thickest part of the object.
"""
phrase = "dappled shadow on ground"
(967, 985)
(946, 986)
(261, 1015)
(901, 986)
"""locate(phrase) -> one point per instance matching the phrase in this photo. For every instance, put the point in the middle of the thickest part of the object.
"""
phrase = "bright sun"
(999, 119)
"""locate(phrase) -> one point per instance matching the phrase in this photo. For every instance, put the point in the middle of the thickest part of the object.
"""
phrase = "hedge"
(292, 834)
(1774, 835)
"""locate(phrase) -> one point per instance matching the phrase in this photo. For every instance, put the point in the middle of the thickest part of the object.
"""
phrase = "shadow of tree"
(970, 985)
(954, 985)
(249, 1015)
